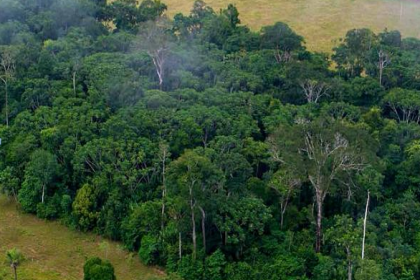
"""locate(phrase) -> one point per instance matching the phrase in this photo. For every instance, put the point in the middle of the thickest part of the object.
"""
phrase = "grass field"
(53, 252)
(321, 22)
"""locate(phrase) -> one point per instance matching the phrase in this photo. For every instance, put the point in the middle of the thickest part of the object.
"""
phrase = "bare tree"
(383, 61)
(328, 158)
(314, 90)
(7, 72)
(155, 40)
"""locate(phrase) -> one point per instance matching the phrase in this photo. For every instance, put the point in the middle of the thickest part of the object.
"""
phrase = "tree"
(97, 269)
(352, 54)
(345, 234)
(40, 178)
(84, 207)
(329, 155)
(163, 156)
(282, 39)
(384, 60)
(14, 258)
(326, 154)
(9, 183)
(154, 38)
(404, 104)
(240, 220)
(285, 182)
(314, 90)
(364, 224)
(233, 15)
(368, 270)
(193, 176)
(7, 73)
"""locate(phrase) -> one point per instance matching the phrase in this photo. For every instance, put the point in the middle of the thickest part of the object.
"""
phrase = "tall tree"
(327, 155)
(314, 90)
(155, 39)
(40, 176)
(282, 39)
(193, 176)
(345, 235)
(7, 72)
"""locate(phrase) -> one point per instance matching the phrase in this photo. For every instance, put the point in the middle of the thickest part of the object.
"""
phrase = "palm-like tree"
(14, 258)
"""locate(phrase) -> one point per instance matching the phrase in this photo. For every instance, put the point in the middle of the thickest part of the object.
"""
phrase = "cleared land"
(54, 252)
(321, 22)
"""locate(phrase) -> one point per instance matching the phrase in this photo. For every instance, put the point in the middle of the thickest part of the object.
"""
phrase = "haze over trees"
(209, 149)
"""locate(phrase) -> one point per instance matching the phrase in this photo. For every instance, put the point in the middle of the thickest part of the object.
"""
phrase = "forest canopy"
(209, 149)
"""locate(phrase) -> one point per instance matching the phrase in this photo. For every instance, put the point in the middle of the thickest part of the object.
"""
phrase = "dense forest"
(212, 150)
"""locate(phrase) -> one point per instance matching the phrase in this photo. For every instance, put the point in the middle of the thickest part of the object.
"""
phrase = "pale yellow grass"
(321, 22)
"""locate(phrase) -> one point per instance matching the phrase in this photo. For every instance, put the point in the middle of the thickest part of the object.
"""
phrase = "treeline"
(212, 150)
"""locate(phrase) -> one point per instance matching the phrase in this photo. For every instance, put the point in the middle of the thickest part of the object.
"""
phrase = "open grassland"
(321, 22)
(53, 252)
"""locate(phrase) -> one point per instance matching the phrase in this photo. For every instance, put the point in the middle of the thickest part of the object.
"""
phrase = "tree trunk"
(318, 222)
(364, 225)
(281, 219)
(194, 234)
(381, 70)
(43, 193)
(203, 228)
(164, 187)
(349, 270)
(162, 225)
(7, 103)
(180, 245)
(15, 272)
(349, 265)
(74, 83)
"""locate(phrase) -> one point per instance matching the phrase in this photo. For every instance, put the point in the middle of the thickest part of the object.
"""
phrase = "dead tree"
(7, 72)
(314, 90)
(383, 61)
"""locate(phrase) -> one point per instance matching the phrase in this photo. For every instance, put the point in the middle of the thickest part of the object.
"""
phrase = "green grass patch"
(54, 252)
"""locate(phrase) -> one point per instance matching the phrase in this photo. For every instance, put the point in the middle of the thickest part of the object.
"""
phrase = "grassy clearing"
(54, 252)
(321, 22)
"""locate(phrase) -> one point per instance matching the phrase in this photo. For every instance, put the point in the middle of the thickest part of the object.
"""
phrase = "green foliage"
(149, 249)
(368, 269)
(213, 150)
(40, 176)
(97, 269)
(14, 258)
(214, 266)
(84, 207)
